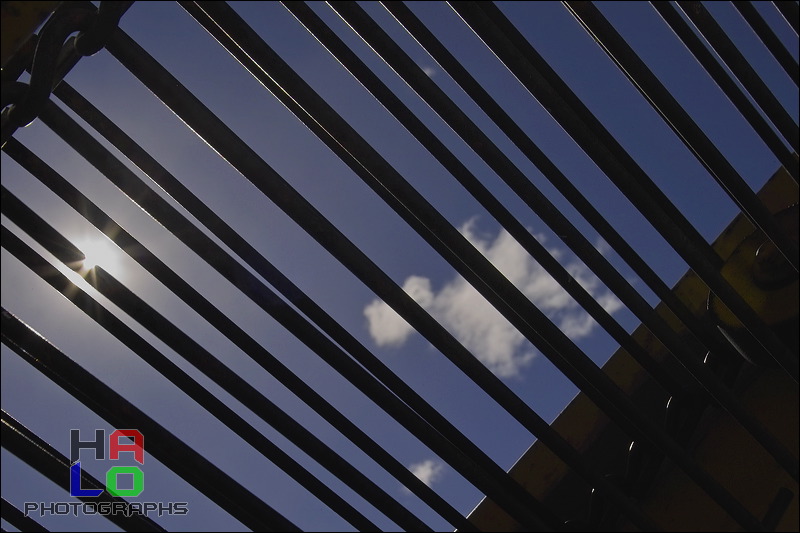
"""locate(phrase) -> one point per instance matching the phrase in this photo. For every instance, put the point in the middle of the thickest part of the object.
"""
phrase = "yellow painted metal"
(736, 461)
(720, 445)
(19, 21)
(760, 274)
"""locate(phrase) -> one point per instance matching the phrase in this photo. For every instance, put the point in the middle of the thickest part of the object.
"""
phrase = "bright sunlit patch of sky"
(176, 41)
(100, 251)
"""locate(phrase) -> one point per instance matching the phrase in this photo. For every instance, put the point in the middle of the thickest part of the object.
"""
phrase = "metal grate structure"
(270, 203)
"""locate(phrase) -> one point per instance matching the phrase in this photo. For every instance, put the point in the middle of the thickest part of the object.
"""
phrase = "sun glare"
(99, 252)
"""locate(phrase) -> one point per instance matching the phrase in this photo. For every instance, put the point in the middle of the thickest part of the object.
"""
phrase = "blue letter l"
(75, 483)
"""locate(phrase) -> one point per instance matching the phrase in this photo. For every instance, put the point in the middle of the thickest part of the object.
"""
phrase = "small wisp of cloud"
(428, 471)
(476, 323)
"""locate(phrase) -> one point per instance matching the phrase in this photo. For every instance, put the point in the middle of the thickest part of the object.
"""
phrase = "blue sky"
(184, 48)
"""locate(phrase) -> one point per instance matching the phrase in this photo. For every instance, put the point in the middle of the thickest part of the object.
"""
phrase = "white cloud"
(428, 471)
(476, 323)
(602, 246)
(429, 71)
(385, 325)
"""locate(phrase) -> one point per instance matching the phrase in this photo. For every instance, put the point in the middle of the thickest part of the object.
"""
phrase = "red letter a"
(114, 447)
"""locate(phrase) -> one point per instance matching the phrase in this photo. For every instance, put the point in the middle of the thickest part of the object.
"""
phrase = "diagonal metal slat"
(179, 457)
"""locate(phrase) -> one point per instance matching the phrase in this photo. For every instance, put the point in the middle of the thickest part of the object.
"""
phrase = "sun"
(99, 251)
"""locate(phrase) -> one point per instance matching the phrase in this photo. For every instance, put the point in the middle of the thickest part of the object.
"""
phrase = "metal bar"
(466, 178)
(770, 40)
(48, 461)
(14, 516)
(20, 61)
(222, 139)
(670, 110)
(106, 403)
(27, 17)
(489, 477)
(417, 79)
(704, 332)
(556, 346)
(201, 359)
(505, 41)
(227, 327)
(462, 174)
(778, 508)
(648, 85)
(357, 166)
(759, 124)
(495, 480)
(693, 137)
(406, 67)
(544, 84)
(398, 188)
(54, 58)
(790, 12)
(213, 405)
(740, 67)
(45, 174)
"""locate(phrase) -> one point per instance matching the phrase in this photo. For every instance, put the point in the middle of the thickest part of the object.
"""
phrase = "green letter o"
(111, 480)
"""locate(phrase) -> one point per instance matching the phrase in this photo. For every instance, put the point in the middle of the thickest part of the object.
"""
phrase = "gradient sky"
(167, 32)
